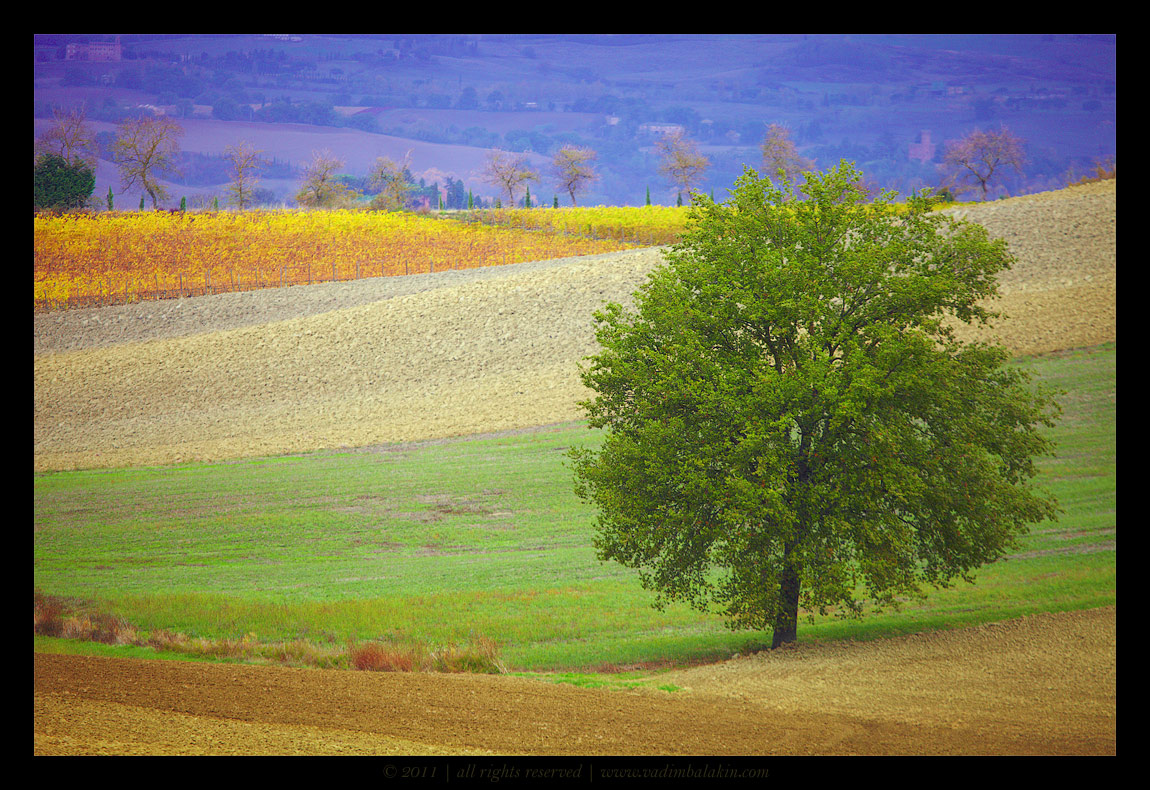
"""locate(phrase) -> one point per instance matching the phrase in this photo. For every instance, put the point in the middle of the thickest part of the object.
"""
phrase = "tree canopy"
(321, 186)
(70, 137)
(393, 181)
(246, 164)
(508, 171)
(789, 420)
(144, 149)
(61, 184)
(681, 163)
(976, 159)
(573, 169)
(781, 154)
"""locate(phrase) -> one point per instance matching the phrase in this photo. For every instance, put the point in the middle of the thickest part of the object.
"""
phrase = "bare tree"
(246, 163)
(70, 138)
(321, 188)
(145, 148)
(980, 155)
(780, 154)
(508, 171)
(391, 177)
(682, 163)
(573, 170)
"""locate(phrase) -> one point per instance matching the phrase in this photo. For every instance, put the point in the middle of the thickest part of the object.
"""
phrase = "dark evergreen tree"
(60, 184)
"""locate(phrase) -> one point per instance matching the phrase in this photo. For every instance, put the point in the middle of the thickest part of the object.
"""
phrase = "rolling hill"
(447, 354)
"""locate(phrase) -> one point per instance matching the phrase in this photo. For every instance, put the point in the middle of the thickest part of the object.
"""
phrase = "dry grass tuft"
(99, 627)
(52, 617)
(47, 615)
(379, 657)
(480, 656)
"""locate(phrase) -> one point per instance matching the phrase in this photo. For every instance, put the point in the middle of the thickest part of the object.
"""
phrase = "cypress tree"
(648, 194)
(109, 198)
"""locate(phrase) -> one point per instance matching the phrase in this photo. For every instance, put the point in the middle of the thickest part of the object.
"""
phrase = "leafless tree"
(145, 148)
(979, 156)
(321, 188)
(391, 177)
(508, 171)
(781, 155)
(246, 163)
(682, 163)
(70, 137)
(573, 169)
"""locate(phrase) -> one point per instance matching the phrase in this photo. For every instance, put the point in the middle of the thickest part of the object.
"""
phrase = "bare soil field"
(449, 354)
(458, 353)
(1042, 685)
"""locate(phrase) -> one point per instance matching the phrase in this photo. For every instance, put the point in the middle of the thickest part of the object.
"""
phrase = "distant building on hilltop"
(661, 128)
(95, 51)
(923, 150)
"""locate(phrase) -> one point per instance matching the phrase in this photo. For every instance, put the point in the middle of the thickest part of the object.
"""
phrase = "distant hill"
(452, 98)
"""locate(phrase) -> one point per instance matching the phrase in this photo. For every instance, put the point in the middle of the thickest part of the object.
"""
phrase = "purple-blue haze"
(887, 103)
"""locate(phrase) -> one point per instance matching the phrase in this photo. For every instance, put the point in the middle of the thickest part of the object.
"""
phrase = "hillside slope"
(454, 353)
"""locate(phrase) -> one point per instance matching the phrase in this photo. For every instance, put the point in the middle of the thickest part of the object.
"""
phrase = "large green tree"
(790, 422)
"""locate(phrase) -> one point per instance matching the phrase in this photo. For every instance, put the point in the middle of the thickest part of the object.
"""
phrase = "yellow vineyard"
(647, 225)
(117, 257)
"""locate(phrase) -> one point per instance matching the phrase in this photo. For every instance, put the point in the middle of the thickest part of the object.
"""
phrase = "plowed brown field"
(316, 367)
(1042, 685)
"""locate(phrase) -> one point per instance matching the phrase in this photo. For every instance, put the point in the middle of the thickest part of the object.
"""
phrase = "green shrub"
(59, 184)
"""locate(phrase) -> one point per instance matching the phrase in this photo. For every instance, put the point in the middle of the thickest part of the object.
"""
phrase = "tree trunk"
(786, 625)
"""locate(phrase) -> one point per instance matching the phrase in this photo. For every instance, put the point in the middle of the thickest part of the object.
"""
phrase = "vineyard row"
(114, 258)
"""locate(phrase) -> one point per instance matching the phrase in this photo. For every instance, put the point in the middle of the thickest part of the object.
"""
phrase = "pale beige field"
(450, 354)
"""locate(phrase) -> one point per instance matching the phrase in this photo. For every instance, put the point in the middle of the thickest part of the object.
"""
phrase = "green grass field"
(440, 543)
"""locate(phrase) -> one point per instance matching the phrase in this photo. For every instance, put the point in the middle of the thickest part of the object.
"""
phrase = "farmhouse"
(95, 51)
(661, 128)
